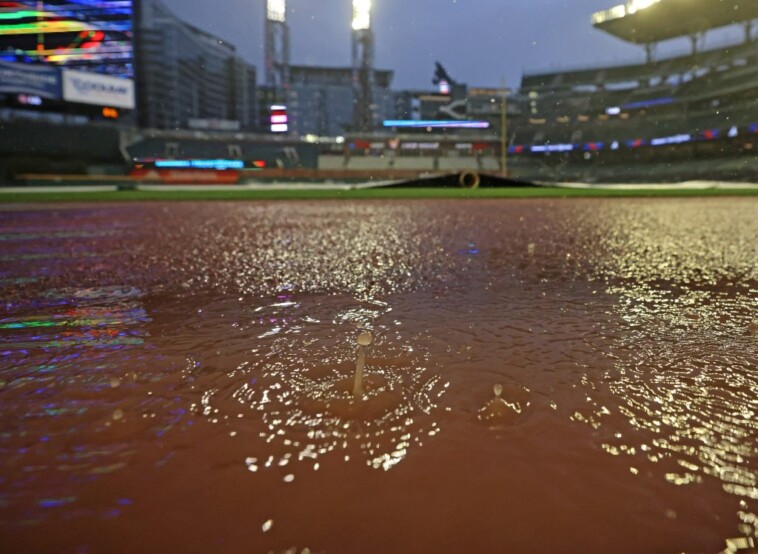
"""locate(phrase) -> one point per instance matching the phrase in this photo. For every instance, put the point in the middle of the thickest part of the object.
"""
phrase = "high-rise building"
(322, 100)
(188, 78)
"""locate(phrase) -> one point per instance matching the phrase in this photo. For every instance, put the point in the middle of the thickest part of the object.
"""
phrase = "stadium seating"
(684, 95)
(28, 146)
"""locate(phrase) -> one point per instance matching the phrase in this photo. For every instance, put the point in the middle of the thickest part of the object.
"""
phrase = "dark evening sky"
(481, 42)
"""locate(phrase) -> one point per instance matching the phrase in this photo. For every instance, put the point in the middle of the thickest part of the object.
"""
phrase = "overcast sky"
(481, 42)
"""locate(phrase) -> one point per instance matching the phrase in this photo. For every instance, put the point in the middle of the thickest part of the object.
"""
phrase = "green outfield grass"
(384, 193)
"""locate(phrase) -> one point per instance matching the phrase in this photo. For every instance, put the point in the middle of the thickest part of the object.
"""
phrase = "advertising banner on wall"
(41, 81)
(98, 90)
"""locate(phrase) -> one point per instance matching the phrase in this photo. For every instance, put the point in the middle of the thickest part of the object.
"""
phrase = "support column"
(650, 52)
(698, 42)
(363, 66)
(277, 45)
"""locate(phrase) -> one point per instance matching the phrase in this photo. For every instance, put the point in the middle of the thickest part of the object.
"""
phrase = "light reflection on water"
(60, 369)
(222, 349)
(686, 372)
(291, 387)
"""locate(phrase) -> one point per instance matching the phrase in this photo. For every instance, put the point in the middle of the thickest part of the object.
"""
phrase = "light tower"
(363, 65)
(277, 44)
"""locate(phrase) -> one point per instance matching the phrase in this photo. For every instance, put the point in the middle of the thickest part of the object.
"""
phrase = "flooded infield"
(556, 376)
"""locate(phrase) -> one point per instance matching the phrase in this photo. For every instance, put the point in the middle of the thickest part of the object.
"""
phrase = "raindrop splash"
(364, 340)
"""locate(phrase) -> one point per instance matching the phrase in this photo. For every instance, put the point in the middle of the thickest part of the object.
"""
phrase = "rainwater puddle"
(562, 376)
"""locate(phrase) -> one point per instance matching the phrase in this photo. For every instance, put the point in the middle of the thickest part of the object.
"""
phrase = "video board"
(92, 35)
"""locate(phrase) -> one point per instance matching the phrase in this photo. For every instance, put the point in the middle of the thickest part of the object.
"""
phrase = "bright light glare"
(361, 15)
(637, 5)
(276, 10)
(436, 124)
(622, 11)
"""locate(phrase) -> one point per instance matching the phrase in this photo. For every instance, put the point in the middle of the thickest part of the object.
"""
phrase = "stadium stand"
(681, 103)
(703, 96)
(678, 117)
(682, 116)
(178, 146)
(28, 146)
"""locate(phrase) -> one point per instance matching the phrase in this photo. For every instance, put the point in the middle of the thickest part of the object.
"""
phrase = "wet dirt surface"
(180, 376)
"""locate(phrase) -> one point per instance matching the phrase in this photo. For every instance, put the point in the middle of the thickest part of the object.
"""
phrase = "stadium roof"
(651, 21)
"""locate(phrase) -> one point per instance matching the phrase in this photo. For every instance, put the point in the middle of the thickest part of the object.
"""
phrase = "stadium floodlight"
(637, 5)
(619, 12)
(276, 10)
(361, 15)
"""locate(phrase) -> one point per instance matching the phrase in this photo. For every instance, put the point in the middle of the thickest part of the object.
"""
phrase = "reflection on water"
(687, 381)
(686, 376)
(297, 388)
(63, 355)
(186, 372)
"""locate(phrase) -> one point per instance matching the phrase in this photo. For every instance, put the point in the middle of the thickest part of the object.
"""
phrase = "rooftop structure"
(652, 21)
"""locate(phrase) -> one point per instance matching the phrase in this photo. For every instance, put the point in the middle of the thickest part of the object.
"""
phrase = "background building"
(188, 78)
(321, 100)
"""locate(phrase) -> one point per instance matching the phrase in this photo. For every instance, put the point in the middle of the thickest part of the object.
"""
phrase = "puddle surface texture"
(179, 376)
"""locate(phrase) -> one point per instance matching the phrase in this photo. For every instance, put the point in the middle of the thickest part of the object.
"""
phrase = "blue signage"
(39, 80)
